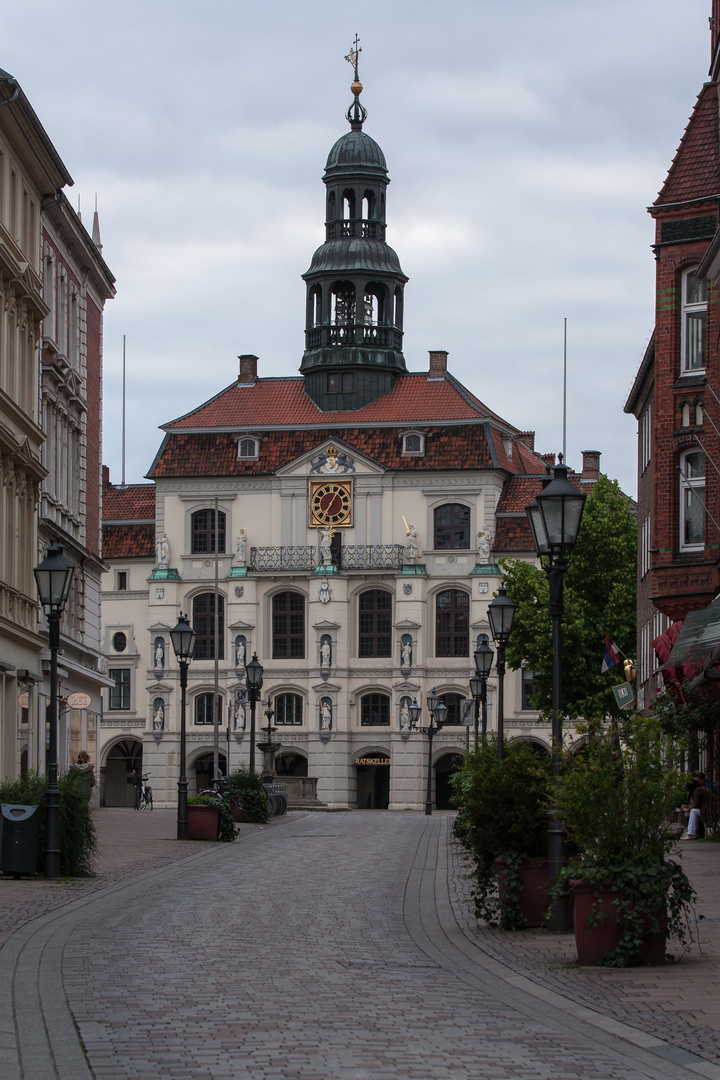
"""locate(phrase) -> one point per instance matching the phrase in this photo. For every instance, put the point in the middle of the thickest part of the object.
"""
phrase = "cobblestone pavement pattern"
(325, 949)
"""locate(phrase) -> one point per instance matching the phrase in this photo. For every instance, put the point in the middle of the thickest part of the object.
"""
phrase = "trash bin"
(18, 839)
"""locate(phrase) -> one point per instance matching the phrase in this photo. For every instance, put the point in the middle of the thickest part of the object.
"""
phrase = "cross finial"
(354, 55)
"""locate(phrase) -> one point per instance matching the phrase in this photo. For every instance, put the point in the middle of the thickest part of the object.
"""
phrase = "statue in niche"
(238, 716)
(158, 714)
(241, 547)
(240, 652)
(163, 551)
(326, 536)
(405, 714)
(159, 653)
(412, 545)
(483, 546)
(406, 652)
(325, 715)
(325, 653)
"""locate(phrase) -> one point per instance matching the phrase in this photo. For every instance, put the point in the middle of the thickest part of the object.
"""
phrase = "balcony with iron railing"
(374, 230)
(367, 335)
(346, 557)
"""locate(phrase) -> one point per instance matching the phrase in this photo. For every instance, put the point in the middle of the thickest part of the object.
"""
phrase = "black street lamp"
(53, 577)
(183, 639)
(555, 516)
(438, 712)
(478, 684)
(501, 614)
(254, 679)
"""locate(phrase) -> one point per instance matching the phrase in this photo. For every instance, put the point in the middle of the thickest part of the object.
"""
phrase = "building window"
(375, 710)
(646, 438)
(120, 691)
(452, 610)
(692, 500)
(121, 580)
(453, 703)
(452, 527)
(119, 642)
(203, 532)
(340, 382)
(288, 626)
(288, 710)
(413, 443)
(644, 546)
(203, 622)
(694, 321)
(529, 689)
(375, 623)
(248, 448)
(204, 709)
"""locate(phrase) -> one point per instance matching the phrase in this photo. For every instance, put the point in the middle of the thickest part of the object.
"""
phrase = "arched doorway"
(123, 758)
(290, 763)
(373, 780)
(203, 767)
(444, 768)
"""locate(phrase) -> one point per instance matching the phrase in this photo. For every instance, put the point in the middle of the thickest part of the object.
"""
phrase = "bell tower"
(355, 285)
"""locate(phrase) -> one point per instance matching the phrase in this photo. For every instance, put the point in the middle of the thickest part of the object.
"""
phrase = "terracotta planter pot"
(592, 942)
(532, 901)
(203, 822)
(237, 811)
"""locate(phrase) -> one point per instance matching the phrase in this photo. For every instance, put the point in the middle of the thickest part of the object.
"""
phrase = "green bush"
(226, 826)
(78, 840)
(247, 788)
(502, 814)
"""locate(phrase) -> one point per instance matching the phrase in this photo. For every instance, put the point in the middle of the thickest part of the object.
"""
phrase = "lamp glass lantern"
(501, 614)
(414, 711)
(440, 714)
(476, 685)
(561, 508)
(53, 577)
(537, 528)
(432, 702)
(183, 639)
(254, 673)
(483, 658)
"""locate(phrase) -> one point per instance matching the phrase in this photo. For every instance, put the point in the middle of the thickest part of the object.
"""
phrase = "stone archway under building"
(373, 780)
(444, 767)
(201, 769)
(122, 758)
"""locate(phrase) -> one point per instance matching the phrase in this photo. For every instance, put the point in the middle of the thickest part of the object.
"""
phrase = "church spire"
(355, 285)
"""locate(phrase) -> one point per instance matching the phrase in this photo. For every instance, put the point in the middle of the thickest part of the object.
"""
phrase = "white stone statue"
(483, 546)
(163, 551)
(239, 717)
(324, 592)
(159, 655)
(240, 654)
(325, 716)
(159, 718)
(404, 716)
(412, 547)
(325, 654)
(406, 655)
(241, 547)
(326, 536)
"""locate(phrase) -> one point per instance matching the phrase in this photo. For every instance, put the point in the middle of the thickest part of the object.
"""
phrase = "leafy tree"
(600, 590)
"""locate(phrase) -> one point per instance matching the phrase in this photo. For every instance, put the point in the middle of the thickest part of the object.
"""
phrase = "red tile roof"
(695, 171)
(135, 502)
(128, 541)
(414, 399)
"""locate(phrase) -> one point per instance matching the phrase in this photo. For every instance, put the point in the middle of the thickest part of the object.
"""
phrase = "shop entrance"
(373, 781)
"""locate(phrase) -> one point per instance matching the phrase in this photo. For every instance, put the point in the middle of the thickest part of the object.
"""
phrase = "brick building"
(676, 393)
(356, 515)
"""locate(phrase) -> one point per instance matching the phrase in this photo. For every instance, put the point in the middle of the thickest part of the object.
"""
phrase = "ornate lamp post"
(53, 577)
(501, 613)
(478, 684)
(254, 679)
(438, 712)
(555, 517)
(183, 639)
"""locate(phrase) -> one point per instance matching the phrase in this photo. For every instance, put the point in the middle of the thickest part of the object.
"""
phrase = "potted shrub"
(502, 823)
(247, 797)
(210, 818)
(617, 796)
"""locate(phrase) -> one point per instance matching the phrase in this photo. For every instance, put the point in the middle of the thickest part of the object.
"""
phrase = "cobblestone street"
(323, 947)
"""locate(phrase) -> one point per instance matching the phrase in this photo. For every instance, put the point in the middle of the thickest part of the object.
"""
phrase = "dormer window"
(248, 448)
(413, 443)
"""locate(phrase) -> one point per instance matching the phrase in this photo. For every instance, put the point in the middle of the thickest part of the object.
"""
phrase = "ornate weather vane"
(356, 114)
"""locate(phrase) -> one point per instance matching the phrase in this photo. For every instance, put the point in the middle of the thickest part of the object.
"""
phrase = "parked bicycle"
(218, 787)
(143, 795)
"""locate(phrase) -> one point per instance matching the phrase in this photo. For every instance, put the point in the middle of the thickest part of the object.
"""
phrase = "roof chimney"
(547, 459)
(248, 369)
(591, 464)
(106, 485)
(438, 364)
(527, 438)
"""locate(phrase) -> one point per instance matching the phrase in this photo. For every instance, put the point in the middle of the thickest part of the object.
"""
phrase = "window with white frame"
(694, 321)
(120, 690)
(692, 500)
(247, 448)
(413, 443)
(645, 546)
(288, 710)
(646, 438)
(644, 673)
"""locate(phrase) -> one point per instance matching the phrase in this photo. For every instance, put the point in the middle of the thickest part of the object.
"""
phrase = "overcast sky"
(524, 140)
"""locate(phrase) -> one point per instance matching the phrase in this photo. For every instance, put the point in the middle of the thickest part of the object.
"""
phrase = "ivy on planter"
(226, 824)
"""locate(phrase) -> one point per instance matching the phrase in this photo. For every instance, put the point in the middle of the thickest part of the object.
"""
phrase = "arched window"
(288, 709)
(368, 205)
(204, 709)
(452, 623)
(203, 621)
(288, 626)
(331, 206)
(454, 708)
(374, 301)
(375, 623)
(685, 413)
(694, 320)
(203, 532)
(348, 204)
(398, 309)
(413, 443)
(699, 405)
(375, 710)
(452, 527)
(342, 307)
(314, 312)
(247, 448)
(692, 500)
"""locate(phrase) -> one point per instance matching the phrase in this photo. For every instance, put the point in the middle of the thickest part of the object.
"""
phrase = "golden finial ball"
(356, 87)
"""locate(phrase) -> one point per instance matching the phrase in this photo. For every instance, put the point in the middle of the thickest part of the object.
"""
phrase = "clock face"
(331, 502)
